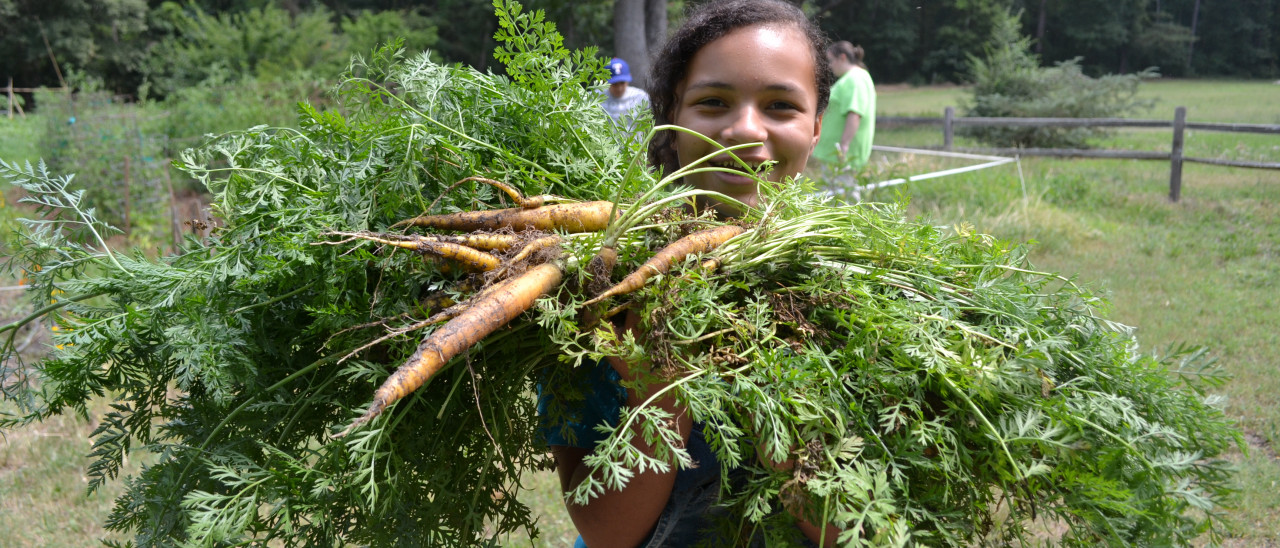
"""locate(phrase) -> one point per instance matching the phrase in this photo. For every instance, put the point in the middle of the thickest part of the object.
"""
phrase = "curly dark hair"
(707, 23)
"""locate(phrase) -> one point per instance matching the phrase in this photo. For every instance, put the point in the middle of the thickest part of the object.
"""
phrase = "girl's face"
(755, 84)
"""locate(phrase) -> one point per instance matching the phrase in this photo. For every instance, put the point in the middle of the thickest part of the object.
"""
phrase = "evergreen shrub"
(1009, 82)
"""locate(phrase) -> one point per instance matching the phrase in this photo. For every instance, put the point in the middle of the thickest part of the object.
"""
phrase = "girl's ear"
(817, 132)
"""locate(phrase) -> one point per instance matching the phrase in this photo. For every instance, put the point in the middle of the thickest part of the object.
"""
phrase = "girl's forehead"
(760, 51)
(762, 35)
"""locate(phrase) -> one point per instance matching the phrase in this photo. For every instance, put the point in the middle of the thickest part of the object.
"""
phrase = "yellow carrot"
(578, 217)
(698, 242)
(535, 246)
(505, 303)
(520, 199)
(446, 247)
(480, 240)
(473, 258)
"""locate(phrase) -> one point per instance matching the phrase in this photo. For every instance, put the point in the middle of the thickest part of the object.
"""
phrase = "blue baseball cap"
(619, 71)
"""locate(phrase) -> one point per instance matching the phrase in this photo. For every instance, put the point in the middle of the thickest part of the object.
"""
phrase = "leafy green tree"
(369, 30)
(913, 41)
(885, 29)
(1238, 38)
(468, 38)
(584, 23)
(103, 38)
(956, 29)
(264, 42)
(1163, 43)
(1098, 31)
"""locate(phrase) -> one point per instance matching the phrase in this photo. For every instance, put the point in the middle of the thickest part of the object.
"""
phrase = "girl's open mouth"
(738, 174)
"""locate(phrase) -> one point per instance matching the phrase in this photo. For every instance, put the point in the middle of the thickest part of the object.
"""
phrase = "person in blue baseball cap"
(623, 99)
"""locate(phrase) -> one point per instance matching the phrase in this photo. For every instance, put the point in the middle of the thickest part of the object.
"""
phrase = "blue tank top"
(602, 402)
(694, 504)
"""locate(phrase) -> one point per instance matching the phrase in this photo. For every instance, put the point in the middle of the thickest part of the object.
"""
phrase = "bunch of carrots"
(528, 233)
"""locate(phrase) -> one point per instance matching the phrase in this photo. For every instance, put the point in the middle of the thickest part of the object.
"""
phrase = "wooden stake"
(49, 49)
(1175, 154)
(948, 121)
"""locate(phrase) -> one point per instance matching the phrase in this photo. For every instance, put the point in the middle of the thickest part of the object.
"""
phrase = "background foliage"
(132, 43)
(1008, 81)
(1239, 38)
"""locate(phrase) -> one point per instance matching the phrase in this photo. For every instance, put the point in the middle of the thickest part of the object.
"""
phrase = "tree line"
(152, 48)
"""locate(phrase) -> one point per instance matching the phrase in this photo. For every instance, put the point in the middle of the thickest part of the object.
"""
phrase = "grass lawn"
(43, 499)
(1248, 101)
(20, 138)
(1203, 271)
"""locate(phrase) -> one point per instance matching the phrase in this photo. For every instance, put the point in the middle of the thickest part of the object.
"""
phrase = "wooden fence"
(1175, 156)
(13, 103)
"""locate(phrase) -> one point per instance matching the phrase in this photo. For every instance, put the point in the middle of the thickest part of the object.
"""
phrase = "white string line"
(885, 148)
(936, 174)
(992, 161)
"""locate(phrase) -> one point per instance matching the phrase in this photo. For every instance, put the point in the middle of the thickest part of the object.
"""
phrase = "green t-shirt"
(853, 92)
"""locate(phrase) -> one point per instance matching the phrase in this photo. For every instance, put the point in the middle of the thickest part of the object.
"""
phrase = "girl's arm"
(622, 518)
(851, 123)
(814, 533)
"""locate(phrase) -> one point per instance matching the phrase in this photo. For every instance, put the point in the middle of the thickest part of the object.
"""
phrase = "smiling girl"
(738, 72)
(741, 72)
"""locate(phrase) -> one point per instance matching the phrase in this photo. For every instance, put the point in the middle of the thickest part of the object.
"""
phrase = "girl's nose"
(746, 127)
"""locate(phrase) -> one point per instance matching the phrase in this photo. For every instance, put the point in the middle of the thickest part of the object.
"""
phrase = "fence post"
(10, 98)
(948, 117)
(1175, 154)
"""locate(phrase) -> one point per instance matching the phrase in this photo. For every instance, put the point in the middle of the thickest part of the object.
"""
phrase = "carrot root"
(458, 248)
(600, 268)
(698, 242)
(535, 246)
(577, 217)
(507, 302)
(520, 199)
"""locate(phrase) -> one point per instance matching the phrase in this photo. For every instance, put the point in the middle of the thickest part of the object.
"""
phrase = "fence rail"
(1175, 156)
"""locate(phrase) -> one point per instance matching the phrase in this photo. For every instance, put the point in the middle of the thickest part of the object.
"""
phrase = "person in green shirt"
(850, 123)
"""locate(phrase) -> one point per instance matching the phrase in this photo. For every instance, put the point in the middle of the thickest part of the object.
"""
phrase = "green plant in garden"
(117, 146)
(930, 386)
(267, 42)
(1008, 81)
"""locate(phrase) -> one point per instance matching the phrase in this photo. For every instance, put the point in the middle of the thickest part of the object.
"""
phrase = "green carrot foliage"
(928, 385)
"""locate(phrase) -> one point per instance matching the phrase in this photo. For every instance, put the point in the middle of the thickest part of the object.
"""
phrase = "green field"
(1205, 271)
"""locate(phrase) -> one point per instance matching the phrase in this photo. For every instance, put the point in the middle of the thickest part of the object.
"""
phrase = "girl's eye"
(782, 105)
(711, 102)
